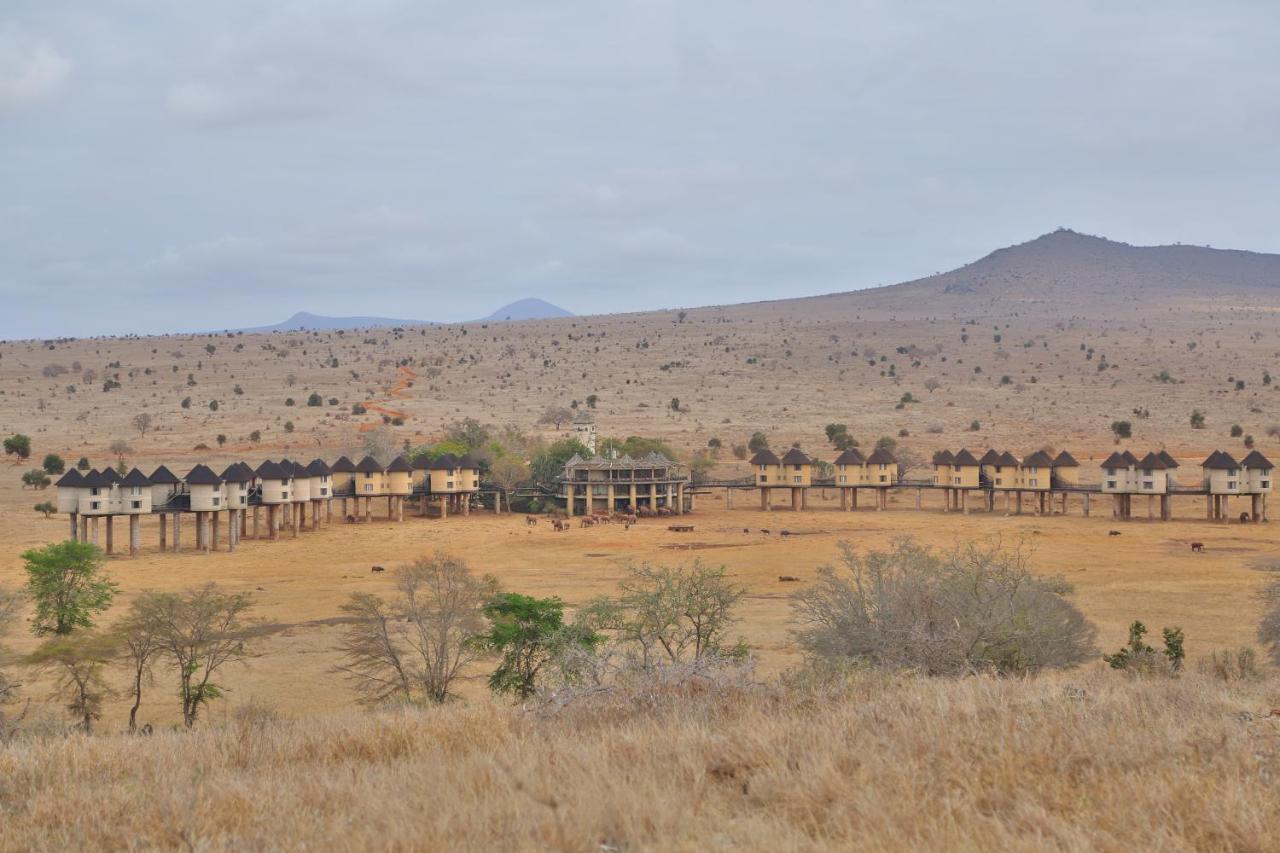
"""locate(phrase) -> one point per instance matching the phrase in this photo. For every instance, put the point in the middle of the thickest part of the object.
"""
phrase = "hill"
(1083, 274)
(523, 309)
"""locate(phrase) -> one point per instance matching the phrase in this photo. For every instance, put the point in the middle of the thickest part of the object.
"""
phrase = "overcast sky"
(177, 165)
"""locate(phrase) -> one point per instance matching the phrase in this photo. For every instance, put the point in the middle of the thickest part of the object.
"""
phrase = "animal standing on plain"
(1197, 547)
(377, 569)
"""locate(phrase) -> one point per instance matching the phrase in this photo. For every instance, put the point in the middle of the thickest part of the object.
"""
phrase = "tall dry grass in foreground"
(1087, 761)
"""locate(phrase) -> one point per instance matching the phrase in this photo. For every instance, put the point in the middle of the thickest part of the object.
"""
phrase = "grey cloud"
(405, 158)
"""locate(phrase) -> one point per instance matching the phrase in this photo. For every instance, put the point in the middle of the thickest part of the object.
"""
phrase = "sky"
(185, 166)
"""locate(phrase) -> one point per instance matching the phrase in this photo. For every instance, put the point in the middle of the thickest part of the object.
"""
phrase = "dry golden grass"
(1091, 761)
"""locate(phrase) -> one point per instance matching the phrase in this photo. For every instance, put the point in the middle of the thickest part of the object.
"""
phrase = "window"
(95, 504)
(1148, 484)
(1231, 484)
(843, 478)
(1266, 484)
(368, 487)
(216, 500)
(135, 490)
(1111, 484)
(797, 479)
(449, 485)
(94, 491)
(956, 481)
(999, 480)
(764, 478)
(1033, 482)
(1111, 472)
(137, 504)
(764, 467)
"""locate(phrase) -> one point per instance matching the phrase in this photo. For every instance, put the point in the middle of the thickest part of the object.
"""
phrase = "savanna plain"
(1045, 345)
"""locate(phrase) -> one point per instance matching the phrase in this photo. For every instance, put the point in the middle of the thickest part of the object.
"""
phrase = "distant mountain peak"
(529, 308)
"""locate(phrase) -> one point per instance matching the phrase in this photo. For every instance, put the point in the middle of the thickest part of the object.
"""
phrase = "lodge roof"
(1115, 460)
(400, 465)
(1129, 458)
(202, 475)
(272, 471)
(318, 468)
(1168, 460)
(445, 462)
(1039, 459)
(112, 475)
(237, 472)
(1220, 461)
(72, 479)
(1255, 459)
(342, 466)
(943, 457)
(765, 456)
(96, 479)
(162, 476)
(1008, 460)
(882, 456)
(1152, 462)
(850, 457)
(966, 459)
(422, 462)
(369, 465)
(795, 456)
(991, 457)
(468, 463)
(1065, 460)
(135, 478)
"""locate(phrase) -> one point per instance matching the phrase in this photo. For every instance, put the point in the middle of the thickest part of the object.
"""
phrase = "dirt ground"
(1147, 573)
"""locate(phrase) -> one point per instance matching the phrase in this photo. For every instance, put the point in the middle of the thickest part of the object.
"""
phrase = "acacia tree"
(507, 473)
(68, 586)
(414, 646)
(77, 662)
(201, 631)
(674, 614)
(529, 633)
(10, 603)
(555, 415)
(18, 445)
(141, 422)
(138, 645)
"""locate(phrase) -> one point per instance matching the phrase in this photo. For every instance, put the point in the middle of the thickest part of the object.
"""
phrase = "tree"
(201, 631)
(18, 445)
(315, 399)
(1236, 430)
(671, 614)
(415, 646)
(36, 479)
(506, 473)
(1197, 419)
(547, 466)
(528, 633)
(221, 439)
(1121, 429)
(68, 586)
(10, 603)
(137, 642)
(973, 609)
(83, 464)
(555, 415)
(1137, 656)
(53, 464)
(469, 433)
(120, 449)
(141, 422)
(758, 441)
(47, 508)
(77, 663)
(932, 384)
(592, 399)
(675, 404)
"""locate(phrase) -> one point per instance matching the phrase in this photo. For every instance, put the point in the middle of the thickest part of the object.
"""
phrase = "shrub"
(315, 400)
(18, 445)
(1121, 429)
(1236, 430)
(1138, 657)
(973, 609)
(36, 479)
(974, 426)
(1231, 665)
(53, 464)
(1197, 419)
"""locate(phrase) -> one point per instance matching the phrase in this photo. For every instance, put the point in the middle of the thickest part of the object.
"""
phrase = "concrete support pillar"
(273, 529)
(1151, 508)
(345, 515)
(84, 528)
(110, 538)
(256, 510)
(399, 509)
(164, 529)
(368, 509)
(466, 504)
(177, 532)
(964, 501)
(75, 530)
(444, 505)
(233, 529)
(243, 515)
(1226, 508)
(764, 499)
(217, 527)
(1086, 504)
(94, 530)
(135, 535)
(315, 515)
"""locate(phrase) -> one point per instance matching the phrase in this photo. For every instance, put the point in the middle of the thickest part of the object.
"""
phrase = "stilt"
(244, 524)
(110, 537)
(164, 529)
(853, 498)
(1086, 504)
(345, 514)
(273, 529)
(75, 530)
(233, 529)
(94, 533)
(844, 501)
(315, 515)
(368, 509)
(84, 528)
(135, 535)
(764, 499)
(217, 527)
(919, 497)
(177, 532)
(964, 501)
(255, 521)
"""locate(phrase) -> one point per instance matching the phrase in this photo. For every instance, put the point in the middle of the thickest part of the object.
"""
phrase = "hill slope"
(522, 309)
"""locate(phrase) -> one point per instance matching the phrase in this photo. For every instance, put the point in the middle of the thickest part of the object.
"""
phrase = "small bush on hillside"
(1231, 665)
(976, 608)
